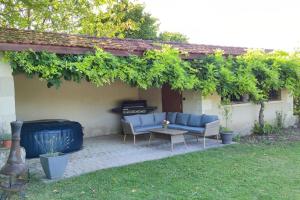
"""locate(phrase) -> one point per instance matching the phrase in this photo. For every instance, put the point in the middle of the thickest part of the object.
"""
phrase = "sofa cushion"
(159, 118)
(191, 129)
(171, 117)
(147, 119)
(134, 120)
(208, 118)
(182, 119)
(195, 120)
(145, 129)
(177, 126)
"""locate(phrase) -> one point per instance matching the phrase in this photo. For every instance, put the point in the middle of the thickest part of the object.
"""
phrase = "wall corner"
(7, 96)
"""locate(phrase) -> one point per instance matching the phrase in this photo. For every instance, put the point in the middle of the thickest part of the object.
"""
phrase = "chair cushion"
(171, 117)
(145, 129)
(147, 119)
(134, 120)
(195, 120)
(159, 118)
(182, 119)
(190, 129)
(208, 118)
(177, 126)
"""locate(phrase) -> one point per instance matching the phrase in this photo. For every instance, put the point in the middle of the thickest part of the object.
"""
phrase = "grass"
(242, 171)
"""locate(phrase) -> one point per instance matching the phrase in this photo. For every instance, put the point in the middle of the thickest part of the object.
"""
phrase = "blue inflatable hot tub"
(44, 136)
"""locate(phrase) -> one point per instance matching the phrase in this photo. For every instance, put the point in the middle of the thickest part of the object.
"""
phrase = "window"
(239, 99)
(274, 95)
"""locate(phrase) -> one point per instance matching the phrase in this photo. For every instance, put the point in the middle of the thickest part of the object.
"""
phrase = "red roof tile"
(13, 39)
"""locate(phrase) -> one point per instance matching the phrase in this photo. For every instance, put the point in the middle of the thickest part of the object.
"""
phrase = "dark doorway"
(171, 99)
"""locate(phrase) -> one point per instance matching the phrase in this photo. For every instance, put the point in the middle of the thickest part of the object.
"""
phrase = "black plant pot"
(227, 137)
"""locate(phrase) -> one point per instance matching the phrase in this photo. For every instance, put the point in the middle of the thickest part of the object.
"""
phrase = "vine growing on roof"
(254, 73)
(155, 68)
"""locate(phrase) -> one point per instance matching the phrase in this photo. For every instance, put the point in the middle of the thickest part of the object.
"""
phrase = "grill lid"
(131, 107)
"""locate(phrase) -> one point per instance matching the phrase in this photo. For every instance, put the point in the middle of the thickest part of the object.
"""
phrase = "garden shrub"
(266, 129)
(279, 120)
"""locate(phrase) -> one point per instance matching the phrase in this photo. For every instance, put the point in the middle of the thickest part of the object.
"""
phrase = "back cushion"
(171, 117)
(182, 118)
(147, 119)
(208, 118)
(194, 120)
(159, 118)
(134, 120)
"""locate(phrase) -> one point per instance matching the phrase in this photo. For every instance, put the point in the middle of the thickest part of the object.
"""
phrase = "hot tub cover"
(42, 136)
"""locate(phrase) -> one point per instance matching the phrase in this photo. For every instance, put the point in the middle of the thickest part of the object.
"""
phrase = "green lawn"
(239, 171)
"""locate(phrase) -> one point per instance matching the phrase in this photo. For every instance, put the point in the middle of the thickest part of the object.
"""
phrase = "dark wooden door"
(171, 99)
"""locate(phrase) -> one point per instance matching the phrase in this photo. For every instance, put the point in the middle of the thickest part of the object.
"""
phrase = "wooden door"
(171, 99)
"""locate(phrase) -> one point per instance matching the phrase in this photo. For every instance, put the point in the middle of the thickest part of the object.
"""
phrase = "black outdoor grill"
(134, 107)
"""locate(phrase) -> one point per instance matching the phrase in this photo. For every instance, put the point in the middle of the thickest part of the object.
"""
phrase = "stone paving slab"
(110, 151)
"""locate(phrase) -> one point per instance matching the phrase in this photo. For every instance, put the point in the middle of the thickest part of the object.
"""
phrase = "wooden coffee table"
(176, 136)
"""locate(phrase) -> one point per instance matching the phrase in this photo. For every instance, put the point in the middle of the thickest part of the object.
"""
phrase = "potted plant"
(5, 139)
(165, 123)
(226, 133)
(53, 162)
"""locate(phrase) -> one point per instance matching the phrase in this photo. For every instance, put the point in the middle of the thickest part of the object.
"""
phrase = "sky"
(244, 23)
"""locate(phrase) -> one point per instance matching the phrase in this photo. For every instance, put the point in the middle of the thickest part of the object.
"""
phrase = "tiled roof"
(13, 39)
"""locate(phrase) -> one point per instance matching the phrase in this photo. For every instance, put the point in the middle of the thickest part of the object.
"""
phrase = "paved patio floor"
(110, 151)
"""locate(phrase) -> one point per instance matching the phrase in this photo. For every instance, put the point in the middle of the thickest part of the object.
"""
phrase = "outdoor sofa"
(198, 125)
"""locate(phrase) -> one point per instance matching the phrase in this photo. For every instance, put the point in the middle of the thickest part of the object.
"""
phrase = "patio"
(109, 151)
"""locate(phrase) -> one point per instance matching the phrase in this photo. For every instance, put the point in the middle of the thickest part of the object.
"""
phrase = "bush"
(266, 130)
(279, 120)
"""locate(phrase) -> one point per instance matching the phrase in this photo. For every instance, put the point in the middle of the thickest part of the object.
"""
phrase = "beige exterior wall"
(211, 104)
(153, 97)
(7, 96)
(192, 102)
(243, 116)
(81, 102)
(91, 106)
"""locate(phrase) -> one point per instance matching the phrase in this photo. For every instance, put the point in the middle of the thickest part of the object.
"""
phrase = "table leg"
(176, 139)
(150, 138)
(172, 144)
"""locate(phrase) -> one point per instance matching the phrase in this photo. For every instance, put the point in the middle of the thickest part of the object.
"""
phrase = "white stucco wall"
(243, 116)
(82, 102)
(7, 96)
(153, 97)
(192, 102)
(91, 105)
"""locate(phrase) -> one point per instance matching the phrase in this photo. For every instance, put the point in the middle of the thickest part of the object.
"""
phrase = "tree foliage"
(43, 15)
(146, 25)
(102, 18)
(172, 37)
(109, 18)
